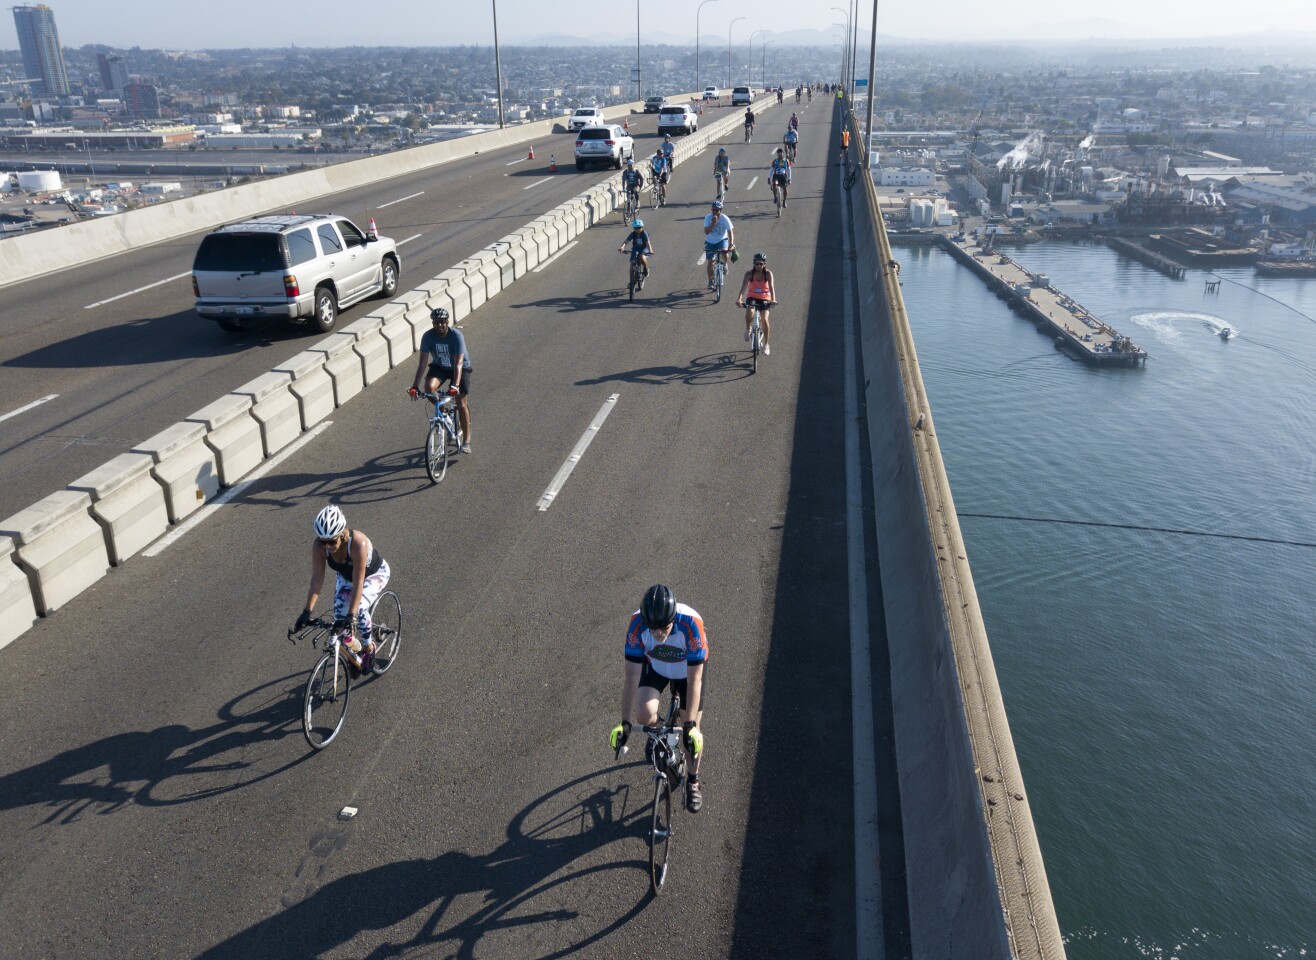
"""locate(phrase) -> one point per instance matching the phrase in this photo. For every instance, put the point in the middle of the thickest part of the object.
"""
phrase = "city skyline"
(336, 23)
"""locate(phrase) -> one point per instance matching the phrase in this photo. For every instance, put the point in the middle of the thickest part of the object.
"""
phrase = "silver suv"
(295, 267)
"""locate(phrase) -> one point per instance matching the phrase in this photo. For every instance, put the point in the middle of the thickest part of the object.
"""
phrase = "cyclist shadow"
(708, 370)
(148, 768)
(519, 887)
(389, 476)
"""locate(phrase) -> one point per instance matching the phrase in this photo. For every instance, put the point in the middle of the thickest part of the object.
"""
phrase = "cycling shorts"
(651, 678)
(717, 245)
(781, 178)
(756, 302)
(445, 374)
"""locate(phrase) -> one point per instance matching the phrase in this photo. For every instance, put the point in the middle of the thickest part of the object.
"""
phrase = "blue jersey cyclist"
(666, 645)
(658, 168)
(669, 151)
(719, 238)
(443, 348)
(792, 136)
(641, 244)
(779, 175)
(722, 167)
(362, 574)
(632, 180)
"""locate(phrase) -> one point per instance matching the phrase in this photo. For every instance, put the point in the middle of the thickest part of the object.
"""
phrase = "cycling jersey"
(344, 567)
(686, 644)
(760, 288)
(781, 169)
(658, 165)
(668, 149)
(632, 179)
(845, 138)
(640, 243)
(791, 136)
(722, 164)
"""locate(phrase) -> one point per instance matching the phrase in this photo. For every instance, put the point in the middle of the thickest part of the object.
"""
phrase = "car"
(710, 92)
(677, 118)
(654, 104)
(741, 96)
(603, 143)
(297, 267)
(585, 117)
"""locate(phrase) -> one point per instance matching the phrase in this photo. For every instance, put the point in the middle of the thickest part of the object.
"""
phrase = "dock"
(1136, 251)
(1074, 328)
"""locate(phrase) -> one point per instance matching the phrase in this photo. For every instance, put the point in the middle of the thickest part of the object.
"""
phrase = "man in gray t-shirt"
(443, 357)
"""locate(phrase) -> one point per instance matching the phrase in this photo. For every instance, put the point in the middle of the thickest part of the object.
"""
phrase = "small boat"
(1226, 333)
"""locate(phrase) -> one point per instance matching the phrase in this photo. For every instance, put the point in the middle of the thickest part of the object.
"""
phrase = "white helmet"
(330, 522)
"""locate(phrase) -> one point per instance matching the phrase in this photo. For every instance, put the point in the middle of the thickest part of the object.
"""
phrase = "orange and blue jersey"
(686, 644)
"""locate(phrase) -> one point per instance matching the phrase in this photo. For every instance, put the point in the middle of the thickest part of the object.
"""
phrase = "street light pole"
(854, 46)
(845, 47)
(733, 23)
(750, 61)
(872, 93)
(698, 10)
(498, 64)
(763, 69)
(639, 94)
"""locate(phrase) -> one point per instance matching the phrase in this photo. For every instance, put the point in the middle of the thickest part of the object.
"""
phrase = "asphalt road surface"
(157, 798)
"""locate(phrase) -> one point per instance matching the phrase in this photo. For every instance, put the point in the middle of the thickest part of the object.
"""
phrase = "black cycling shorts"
(656, 681)
(779, 178)
(445, 374)
(756, 302)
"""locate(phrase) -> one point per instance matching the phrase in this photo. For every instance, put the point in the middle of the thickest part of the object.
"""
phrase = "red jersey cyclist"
(758, 290)
(665, 644)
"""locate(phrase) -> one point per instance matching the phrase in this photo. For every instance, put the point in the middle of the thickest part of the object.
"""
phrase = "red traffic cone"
(552, 164)
(626, 125)
(371, 231)
(532, 152)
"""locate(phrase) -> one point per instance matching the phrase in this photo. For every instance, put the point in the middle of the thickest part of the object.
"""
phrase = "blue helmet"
(637, 224)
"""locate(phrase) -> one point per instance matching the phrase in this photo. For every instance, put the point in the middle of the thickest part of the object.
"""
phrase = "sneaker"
(367, 657)
(710, 283)
(694, 797)
(767, 350)
(466, 447)
(747, 336)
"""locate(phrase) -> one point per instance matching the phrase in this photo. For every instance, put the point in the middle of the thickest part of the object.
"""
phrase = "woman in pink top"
(758, 290)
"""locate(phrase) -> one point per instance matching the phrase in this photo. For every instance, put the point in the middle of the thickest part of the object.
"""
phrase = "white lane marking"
(410, 196)
(414, 236)
(555, 256)
(867, 879)
(537, 183)
(702, 258)
(209, 509)
(750, 185)
(517, 160)
(158, 283)
(29, 406)
(582, 445)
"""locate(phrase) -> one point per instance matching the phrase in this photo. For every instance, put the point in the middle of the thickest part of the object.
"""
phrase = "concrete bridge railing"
(977, 885)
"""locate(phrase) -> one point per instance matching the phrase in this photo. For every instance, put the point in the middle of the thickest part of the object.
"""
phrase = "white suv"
(741, 96)
(710, 92)
(585, 117)
(294, 267)
(677, 118)
(603, 143)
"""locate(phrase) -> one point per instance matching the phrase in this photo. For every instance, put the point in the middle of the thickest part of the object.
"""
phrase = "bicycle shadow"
(389, 476)
(505, 886)
(138, 767)
(708, 370)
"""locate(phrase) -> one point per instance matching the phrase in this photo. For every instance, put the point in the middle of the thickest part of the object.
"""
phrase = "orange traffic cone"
(371, 230)
(626, 126)
(552, 164)
(532, 152)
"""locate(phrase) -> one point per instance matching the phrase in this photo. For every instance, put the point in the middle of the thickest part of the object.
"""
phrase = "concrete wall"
(976, 882)
(52, 250)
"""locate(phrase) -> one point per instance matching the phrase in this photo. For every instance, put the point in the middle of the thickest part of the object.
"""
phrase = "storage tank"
(38, 181)
(7, 182)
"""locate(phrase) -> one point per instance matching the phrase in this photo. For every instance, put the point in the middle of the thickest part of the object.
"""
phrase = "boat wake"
(1169, 324)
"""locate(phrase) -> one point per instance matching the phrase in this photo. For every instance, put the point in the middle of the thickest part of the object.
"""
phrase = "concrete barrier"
(311, 385)
(60, 547)
(233, 434)
(507, 274)
(370, 346)
(128, 503)
(275, 408)
(343, 365)
(184, 466)
(520, 258)
(400, 337)
(18, 611)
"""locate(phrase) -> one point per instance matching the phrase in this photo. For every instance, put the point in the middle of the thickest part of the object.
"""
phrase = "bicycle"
(631, 207)
(756, 333)
(721, 179)
(851, 172)
(790, 149)
(749, 132)
(324, 707)
(443, 433)
(719, 276)
(636, 281)
(668, 759)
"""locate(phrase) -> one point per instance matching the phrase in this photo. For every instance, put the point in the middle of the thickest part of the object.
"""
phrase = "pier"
(1076, 331)
(1136, 251)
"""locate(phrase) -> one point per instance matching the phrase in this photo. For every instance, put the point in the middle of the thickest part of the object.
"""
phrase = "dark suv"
(295, 267)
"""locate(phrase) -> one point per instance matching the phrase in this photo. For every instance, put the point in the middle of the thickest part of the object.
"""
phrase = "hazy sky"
(276, 23)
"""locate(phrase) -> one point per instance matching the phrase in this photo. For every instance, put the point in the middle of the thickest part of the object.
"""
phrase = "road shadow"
(518, 888)
(153, 767)
(702, 371)
(389, 476)
(803, 769)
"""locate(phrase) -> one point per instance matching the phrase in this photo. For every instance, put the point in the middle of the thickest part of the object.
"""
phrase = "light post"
(763, 68)
(498, 64)
(639, 95)
(698, 79)
(872, 93)
(733, 23)
(854, 45)
(845, 46)
(750, 61)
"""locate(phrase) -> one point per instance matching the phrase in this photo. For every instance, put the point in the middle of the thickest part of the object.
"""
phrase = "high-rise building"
(38, 39)
(142, 100)
(114, 73)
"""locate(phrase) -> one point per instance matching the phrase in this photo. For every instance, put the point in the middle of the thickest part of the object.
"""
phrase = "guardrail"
(977, 885)
(63, 544)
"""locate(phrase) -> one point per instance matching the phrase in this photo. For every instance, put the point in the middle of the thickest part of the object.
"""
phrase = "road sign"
(861, 83)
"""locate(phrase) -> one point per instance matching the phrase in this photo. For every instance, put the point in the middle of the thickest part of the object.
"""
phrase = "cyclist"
(757, 290)
(722, 166)
(809, 90)
(799, 92)
(666, 644)
(791, 140)
(632, 180)
(719, 238)
(444, 348)
(780, 94)
(361, 574)
(641, 247)
(795, 121)
(749, 122)
(779, 176)
(659, 173)
(845, 145)
(669, 151)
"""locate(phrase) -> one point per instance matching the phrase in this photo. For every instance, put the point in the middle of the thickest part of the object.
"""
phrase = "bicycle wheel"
(755, 336)
(660, 833)
(436, 452)
(777, 197)
(718, 270)
(634, 281)
(325, 708)
(386, 625)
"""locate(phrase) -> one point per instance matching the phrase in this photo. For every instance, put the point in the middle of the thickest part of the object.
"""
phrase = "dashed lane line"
(28, 406)
(410, 196)
(158, 283)
(555, 487)
(537, 183)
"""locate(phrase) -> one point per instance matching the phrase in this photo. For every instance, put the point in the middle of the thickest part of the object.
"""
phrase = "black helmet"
(437, 314)
(760, 258)
(659, 607)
